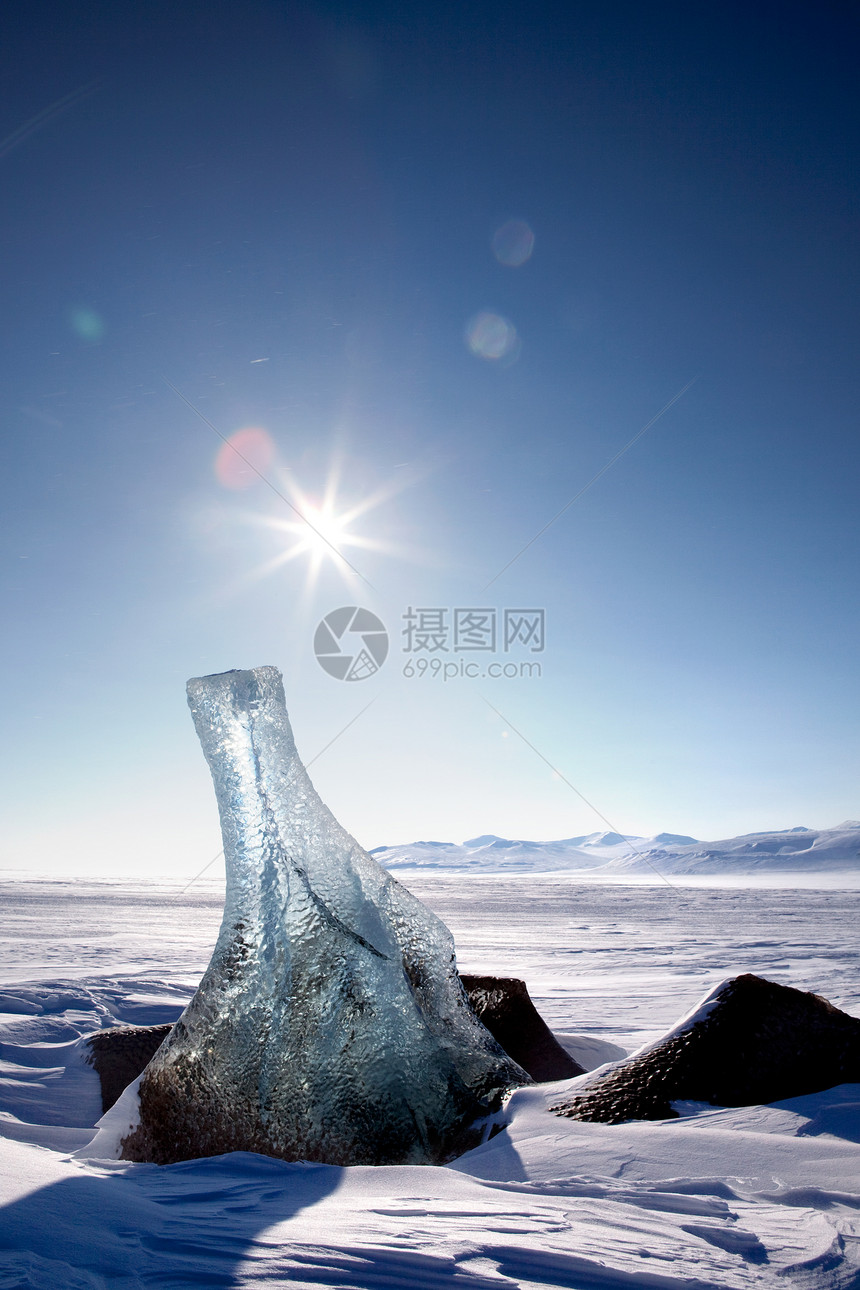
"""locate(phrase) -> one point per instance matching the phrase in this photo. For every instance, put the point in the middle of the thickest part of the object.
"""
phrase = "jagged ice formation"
(330, 1024)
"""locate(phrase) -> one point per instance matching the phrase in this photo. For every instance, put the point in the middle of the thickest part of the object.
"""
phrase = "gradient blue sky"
(189, 188)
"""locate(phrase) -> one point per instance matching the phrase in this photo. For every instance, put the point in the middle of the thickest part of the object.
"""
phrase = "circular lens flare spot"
(513, 243)
(247, 451)
(492, 337)
(87, 324)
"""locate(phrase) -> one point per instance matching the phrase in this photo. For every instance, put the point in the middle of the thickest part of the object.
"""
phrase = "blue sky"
(288, 212)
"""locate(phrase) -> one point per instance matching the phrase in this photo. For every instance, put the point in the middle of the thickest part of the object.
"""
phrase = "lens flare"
(492, 337)
(513, 243)
(317, 529)
(244, 454)
(87, 324)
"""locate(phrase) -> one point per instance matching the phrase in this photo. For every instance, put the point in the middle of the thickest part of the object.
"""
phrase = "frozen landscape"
(741, 1197)
(493, 369)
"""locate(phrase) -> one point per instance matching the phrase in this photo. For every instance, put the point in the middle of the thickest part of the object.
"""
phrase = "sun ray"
(317, 529)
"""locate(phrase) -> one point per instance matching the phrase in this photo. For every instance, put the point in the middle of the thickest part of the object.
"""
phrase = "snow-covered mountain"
(796, 850)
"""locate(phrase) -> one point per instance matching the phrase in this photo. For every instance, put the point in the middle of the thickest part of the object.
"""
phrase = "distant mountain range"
(796, 850)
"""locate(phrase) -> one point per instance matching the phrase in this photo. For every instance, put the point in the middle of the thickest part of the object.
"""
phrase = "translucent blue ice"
(330, 1024)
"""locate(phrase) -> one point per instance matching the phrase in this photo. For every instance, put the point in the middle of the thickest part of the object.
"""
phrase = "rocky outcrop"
(504, 1006)
(502, 1003)
(120, 1054)
(750, 1041)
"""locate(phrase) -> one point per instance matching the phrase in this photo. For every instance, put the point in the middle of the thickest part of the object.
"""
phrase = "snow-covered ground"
(745, 1197)
(796, 850)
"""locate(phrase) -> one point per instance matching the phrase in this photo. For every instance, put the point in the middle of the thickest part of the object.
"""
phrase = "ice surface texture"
(330, 1024)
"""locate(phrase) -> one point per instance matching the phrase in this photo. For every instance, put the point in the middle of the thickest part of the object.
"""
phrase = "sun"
(320, 529)
(327, 531)
(320, 532)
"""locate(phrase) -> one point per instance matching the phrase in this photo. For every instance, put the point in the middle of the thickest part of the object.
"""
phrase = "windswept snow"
(749, 1196)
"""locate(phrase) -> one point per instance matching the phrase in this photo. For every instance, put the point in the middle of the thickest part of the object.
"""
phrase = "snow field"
(753, 1196)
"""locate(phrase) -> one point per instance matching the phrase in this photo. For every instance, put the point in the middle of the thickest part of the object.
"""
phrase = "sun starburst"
(322, 526)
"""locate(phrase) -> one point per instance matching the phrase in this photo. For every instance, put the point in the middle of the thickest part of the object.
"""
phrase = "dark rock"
(120, 1055)
(753, 1042)
(503, 1004)
(760, 1043)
